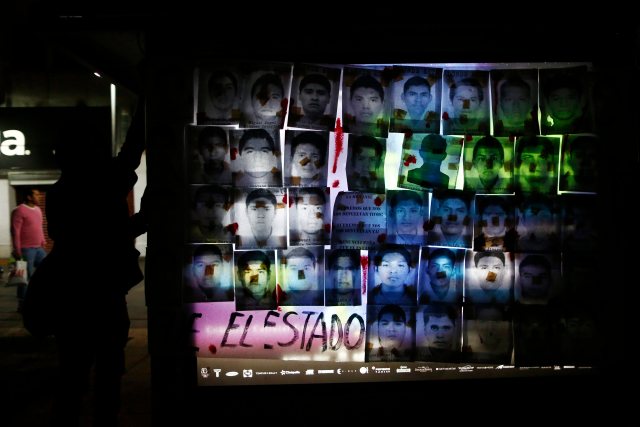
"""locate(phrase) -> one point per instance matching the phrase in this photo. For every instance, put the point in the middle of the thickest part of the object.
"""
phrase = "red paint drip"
(377, 201)
(445, 116)
(213, 349)
(339, 144)
(284, 104)
(468, 137)
(408, 134)
(364, 264)
(336, 183)
(232, 228)
(279, 294)
(234, 153)
(284, 199)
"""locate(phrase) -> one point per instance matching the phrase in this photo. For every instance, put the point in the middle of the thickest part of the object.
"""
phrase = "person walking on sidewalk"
(27, 236)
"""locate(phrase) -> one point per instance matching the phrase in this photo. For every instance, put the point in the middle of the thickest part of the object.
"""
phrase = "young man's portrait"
(309, 216)
(451, 219)
(255, 158)
(302, 276)
(363, 102)
(219, 92)
(365, 164)
(442, 275)
(467, 107)
(488, 277)
(416, 94)
(305, 160)
(390, 333)
(407, 215)
(515, 99)
(488, 165)
(314, 97)
(255, 282)
(208, 155)
(208, 274)
(342, 284)
(211, 214)
(438, 333)
(261, 218)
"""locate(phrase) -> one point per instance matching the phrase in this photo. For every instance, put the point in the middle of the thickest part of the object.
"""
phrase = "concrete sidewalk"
(28, 367)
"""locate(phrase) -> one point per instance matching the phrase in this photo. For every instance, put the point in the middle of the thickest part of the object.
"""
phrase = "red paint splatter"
(382, 238)
(468, 137)
(284, 104)
(327, 228)
(213, 349)
(336, 183)
(445, 116)
(234, 153)
(364, 264)
(410, 159)
(378, 201)
(232, 228)
(408, 134)
(339, 144)
(280, 294)
(284, 199)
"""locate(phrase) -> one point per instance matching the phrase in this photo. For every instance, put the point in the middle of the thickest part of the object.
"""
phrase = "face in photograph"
(416, 97)
(212, 147)
(310, 213)
(314, 98)
(345, 274)
(207, 269)
(488, 161)
(365, 161)
(307, 158)
(210, 207)
(466, 101)
(535, 277)
(301, 273)
(266, 97)
(515, 101)
(261, 212)
(494, 220)
(222, 90)
(439, 331)
(366, 104)
(564, 103)
(440, 270)
(408, 217)
(536, 164)
(255, 277)
(453, 212)
(393, 271)
(257, 157)
(391, 330)
(490, 271)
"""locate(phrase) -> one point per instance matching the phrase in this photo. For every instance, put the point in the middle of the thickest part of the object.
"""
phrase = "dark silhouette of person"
(433, 150)
(93, 234)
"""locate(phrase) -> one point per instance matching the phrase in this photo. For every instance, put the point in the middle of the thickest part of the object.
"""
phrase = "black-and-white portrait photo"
(429, 161)
(211, 214)
(416, 96)
(208, 155)
(495, 224)
(566, 102)
(314, 97)
(488, 165)
(538, 219)
(364, 102)
(515, 102)
(365, 164)
(536, 161)
(309, 216)
(305, 158)
(537, 278)
(579, 164)
(393, 275)
(265, 96)
(465, 102)
(255, 158)
(487, 334)
(407, 217)
(390, 333)
(451, 218)
(219, 94)
(438, 333)
(261, 217)
(488, 277)
(343, 276)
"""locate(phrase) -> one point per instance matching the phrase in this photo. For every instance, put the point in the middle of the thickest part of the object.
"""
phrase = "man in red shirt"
(27, 235)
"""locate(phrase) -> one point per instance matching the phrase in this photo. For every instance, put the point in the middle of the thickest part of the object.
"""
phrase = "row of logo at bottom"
(207, 372)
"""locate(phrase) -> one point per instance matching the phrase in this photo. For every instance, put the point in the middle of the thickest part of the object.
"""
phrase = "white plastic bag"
(18, 275)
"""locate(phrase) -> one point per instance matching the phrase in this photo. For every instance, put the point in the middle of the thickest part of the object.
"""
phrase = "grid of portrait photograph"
(453, 209)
